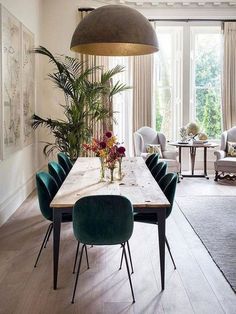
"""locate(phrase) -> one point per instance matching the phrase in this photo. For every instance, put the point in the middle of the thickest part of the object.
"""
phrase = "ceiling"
(172, 3)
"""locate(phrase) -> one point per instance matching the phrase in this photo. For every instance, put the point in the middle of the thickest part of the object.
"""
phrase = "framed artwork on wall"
(17, 84)
(28, 86)
(11, 83)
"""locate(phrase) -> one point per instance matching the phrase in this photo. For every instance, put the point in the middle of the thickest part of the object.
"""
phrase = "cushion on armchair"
(153, 149)
(231, 149)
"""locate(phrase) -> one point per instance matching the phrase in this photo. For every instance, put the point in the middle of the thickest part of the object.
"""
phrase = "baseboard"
(10, 205)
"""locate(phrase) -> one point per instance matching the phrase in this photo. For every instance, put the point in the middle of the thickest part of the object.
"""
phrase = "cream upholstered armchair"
(225, 164)
(146, 136)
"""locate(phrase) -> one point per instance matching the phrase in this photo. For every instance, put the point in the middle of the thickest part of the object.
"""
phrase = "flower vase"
(119, 169)
(102, 169)
(112, 174)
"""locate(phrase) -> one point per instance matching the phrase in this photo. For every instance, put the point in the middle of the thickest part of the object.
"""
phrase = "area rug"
(213, 218)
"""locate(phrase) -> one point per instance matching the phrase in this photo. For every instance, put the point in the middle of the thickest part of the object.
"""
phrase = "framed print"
(11, 83)
(28, 86)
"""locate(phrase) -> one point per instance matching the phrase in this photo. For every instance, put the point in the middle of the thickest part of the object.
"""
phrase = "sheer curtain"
(133, 108)
(229, 76)
(123, 103)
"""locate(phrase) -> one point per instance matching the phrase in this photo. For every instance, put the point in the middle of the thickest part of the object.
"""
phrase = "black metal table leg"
(57, 214)
(193, 156)
(161, 216)
(180, 159)
(205, 163)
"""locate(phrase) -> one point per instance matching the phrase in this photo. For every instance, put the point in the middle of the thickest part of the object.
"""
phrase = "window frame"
(185, 111)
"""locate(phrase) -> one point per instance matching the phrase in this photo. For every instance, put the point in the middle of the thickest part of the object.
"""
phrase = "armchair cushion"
(153, 149)
(170, 154)
(227, 164)
(231, 149)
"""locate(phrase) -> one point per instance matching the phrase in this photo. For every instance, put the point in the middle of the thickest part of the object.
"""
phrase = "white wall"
(17, 172)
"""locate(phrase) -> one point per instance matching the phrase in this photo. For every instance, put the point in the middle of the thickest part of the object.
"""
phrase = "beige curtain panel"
(229, 76)
(142, 91)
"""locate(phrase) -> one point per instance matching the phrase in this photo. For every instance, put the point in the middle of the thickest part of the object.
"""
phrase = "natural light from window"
(206, 79)
(200, 47)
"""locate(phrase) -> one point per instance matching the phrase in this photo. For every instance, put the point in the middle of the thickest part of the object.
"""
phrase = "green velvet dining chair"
(57, 172)
(103, 220)
(168, 185)
(149, 158)
(159, 170)
(47, 188)
(152, 160)
(65, 162)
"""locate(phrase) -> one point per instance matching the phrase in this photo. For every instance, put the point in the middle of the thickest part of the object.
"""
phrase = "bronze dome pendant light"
(114, 30)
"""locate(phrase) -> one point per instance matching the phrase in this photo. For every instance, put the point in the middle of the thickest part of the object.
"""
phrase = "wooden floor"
(197, 286)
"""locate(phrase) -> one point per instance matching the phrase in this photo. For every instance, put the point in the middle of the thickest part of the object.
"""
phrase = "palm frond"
(106, 76)
(118, 88)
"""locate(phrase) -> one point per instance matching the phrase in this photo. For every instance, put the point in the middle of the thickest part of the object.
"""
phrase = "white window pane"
(206, 62)
(167, 86)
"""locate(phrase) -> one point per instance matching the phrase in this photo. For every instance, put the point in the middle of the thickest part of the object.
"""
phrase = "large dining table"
(137, 184)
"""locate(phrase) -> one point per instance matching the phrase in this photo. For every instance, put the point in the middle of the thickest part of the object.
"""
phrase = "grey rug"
(213, 218)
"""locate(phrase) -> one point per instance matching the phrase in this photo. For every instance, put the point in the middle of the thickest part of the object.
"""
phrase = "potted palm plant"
(86, 102)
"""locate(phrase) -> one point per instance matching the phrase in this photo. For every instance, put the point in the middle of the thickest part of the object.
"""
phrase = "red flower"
(121, 150)
(108, 134)
(102, 145)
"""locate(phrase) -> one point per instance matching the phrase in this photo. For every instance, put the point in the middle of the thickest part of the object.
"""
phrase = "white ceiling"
(172, 3)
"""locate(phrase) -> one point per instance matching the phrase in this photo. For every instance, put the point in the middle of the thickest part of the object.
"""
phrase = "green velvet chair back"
(160, 170)
(47, 189)
(103, 219)
(168, 185)
(57, 172)
(65, 162)
(153, 162)
(149, 159)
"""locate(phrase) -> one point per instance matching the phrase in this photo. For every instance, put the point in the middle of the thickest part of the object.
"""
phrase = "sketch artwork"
(27, 85)
(11, 83)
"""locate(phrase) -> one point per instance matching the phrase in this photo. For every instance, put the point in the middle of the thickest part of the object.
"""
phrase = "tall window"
(193, 92)
(167, 86)
(206, 79)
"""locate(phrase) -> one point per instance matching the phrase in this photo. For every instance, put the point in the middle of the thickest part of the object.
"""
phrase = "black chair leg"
(76, 256)
(168, 247)
(127, 266)
(49, 233)
(86, 253)
(121, 260)
(44, 241)
(77, 275)
(130, 259)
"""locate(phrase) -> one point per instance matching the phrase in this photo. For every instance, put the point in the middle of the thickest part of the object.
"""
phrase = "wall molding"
(173, 3)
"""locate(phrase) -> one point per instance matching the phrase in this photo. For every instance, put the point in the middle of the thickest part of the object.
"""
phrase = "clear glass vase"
(119, 169)
(112, 174)
(102, 169)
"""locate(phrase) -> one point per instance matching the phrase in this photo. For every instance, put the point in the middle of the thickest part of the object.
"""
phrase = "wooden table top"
(193, 144)
(138, 184)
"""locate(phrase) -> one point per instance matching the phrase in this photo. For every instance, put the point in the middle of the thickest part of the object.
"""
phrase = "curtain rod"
(190, 20)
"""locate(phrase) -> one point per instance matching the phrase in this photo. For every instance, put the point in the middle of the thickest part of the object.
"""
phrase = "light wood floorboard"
(197, 286)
